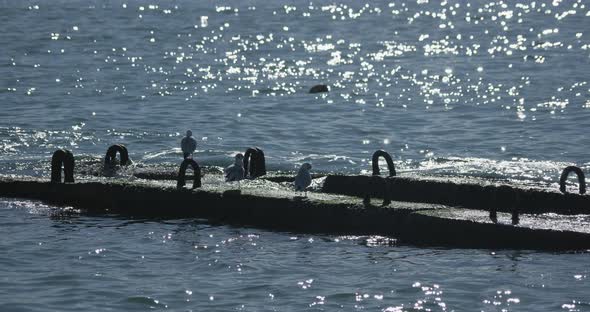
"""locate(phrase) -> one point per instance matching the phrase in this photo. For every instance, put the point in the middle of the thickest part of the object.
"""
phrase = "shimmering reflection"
(136, 265)
(488, 80)
(490, 89)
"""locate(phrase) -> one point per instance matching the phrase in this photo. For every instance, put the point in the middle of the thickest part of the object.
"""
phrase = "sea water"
(492, 89)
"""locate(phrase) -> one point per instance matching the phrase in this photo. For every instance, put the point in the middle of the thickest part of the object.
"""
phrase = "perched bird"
(235, 172)
(188, 144)
(303, 178)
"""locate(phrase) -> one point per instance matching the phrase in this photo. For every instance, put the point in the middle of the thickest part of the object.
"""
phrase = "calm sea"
(493, 89)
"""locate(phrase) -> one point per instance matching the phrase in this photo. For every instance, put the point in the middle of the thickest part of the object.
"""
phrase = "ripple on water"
(488, 89)
(157, 266)
(438, 62)
(145, 302)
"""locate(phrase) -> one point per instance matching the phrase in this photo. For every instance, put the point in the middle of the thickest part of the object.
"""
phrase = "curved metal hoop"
(112, 154)
(65, 158)
(375, 162)
(255, 161)
(377, 183)
(180, 182)
(581, 179)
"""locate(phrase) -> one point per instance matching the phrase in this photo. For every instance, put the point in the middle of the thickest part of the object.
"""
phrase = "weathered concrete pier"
(426, 211)
(271, 205)
(461, 192)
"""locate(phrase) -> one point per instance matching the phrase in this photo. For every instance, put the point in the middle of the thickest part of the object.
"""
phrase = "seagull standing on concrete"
(235, 172)
(303, 178)
(188, 144)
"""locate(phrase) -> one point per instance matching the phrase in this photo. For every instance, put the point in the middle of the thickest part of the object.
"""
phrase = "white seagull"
(303, 178)
(235, 172)
(188, 144)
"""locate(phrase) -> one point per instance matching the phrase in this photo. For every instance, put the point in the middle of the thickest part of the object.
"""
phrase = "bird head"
(306, 166)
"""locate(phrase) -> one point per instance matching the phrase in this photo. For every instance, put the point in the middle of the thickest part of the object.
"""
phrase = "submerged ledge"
(463, 192)
(467, 192)
(272, 205)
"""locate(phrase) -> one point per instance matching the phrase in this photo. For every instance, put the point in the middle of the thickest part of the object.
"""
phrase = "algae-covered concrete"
(457, 192)
(273, 205)
(473, 228)
(259, 203)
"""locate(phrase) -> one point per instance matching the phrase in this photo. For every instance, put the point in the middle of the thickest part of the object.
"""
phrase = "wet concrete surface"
(275, 205)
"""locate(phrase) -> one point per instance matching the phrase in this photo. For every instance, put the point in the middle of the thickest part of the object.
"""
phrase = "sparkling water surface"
(74, 262)
(493, 89)
(493, 84)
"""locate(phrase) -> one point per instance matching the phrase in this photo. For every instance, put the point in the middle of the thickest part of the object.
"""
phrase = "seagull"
(303, 178)
(188, 144)
(235, 172)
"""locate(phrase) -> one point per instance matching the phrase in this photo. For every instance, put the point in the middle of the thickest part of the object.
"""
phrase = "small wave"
(158, 154)
(146, 301)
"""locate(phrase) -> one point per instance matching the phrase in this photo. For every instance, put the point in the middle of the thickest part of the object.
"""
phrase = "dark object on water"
(65, 157)
(254, 162)
(111, 155)
(388, 159)
(578, 172)
(319, 88)
(182, 173)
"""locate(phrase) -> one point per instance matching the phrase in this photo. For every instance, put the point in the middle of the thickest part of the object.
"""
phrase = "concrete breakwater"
(468, 193)
(272, 205)
(462, 192)
(459, 192)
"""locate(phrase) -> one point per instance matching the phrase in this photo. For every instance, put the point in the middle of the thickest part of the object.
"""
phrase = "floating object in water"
(110, 157)
(65, 158)
(578, 172)
(236, 171)
(303, 178)
(319, 88)
(181, 180)
(255, 162)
